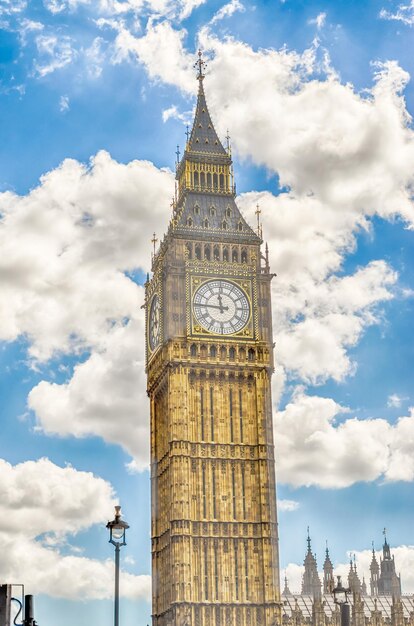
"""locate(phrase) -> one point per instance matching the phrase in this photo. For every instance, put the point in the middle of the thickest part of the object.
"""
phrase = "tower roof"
(203, 137)
(205, 206)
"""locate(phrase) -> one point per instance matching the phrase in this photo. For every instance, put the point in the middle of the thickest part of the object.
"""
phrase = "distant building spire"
(328, 577)
(311, 584)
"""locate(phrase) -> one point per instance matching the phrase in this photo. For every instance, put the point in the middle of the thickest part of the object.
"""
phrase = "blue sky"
(94, 98)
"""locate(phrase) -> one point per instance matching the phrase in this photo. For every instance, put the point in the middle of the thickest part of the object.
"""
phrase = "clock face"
(154, 323)
(221, 307)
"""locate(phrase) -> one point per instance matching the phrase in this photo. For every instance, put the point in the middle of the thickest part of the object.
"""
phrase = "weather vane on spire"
(154, 241)
(200, 65)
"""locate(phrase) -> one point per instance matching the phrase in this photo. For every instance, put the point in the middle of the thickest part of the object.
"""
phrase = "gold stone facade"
(209, 366)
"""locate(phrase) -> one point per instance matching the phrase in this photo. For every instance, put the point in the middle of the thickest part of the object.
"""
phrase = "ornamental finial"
(259, 226)
(200, 65)
(154, 241)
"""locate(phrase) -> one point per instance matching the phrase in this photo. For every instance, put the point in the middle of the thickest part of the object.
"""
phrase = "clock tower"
(209, 366)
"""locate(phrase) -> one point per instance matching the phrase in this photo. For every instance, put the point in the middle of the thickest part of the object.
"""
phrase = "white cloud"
(115, 406)
(57, 6)
(41, 505)
(188, 6)
(315, 448)
(95, 57)
(75, 500)
(173, 113)
(64, 104)
(344, 158)
(28, 26)
(10, 7)
(287, 505)
(173, 9)
(404, 14)
(319, 20)
(394, 400)
(66, 247)
(228, 10)
(55, 52)
(161, 51)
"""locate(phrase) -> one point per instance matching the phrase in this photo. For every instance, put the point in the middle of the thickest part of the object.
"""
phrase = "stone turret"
(374, 570)
(328, 577)
(311, 584)
(389, 584)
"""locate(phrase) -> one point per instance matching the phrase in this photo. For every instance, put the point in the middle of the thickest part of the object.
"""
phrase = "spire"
(328, 578)
(205, 192)
(308, 540)
(286, 591)
(311, 585)
(203, 137)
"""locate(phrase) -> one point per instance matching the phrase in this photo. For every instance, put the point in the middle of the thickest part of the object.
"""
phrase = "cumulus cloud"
(67, 246)
(41, 504)
(115, 406)
(404, 13)
(70, 246)
(343, 158)
(318, 447)
(227, 11)
(161, 51)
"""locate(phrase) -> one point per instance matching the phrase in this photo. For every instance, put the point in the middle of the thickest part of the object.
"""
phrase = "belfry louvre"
(209, 367)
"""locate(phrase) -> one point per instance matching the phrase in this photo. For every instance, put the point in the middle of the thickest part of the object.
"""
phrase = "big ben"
(209, 366)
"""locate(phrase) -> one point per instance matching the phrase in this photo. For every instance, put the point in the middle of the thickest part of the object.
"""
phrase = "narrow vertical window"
(243, 491)
(246, 569)
(233, 487)
(216, 577)
(203, 478)
(236, 569)
(212, 412)
(202, 412)
(231, 416)
(205, 571)
(213, 469)
(241, 414)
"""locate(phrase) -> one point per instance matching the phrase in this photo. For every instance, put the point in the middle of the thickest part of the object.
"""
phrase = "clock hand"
(220, 301)
(213, 306)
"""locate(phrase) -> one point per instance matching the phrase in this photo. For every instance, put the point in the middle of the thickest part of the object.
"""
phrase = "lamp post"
(117, 529)
(341, 598)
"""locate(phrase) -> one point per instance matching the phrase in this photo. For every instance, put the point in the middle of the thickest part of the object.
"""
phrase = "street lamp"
(341, 598)
(117, 529)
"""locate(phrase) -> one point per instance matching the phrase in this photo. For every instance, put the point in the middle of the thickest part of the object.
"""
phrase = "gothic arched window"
(244, 256)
